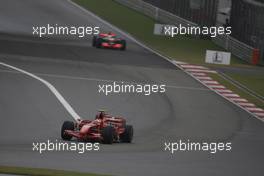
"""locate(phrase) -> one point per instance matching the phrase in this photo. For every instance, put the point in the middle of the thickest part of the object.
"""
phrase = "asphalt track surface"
(31, 113)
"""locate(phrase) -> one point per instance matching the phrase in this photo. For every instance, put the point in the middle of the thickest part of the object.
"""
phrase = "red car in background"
(108, 40)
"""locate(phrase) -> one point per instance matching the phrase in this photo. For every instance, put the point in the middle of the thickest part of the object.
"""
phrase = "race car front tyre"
(94, 41)
(98, 43)
(123, 42)
(108, 134)
(67, 125)
(127, 136)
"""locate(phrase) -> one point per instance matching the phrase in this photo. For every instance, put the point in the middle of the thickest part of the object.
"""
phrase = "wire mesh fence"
(247, 19)
(202, 12)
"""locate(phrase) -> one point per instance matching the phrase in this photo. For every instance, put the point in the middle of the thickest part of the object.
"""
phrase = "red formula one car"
(105, 128)
(108, 40)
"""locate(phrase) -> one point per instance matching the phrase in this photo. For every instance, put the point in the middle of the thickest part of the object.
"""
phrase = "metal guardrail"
(237, 48)
(229, 43)
(155, 12)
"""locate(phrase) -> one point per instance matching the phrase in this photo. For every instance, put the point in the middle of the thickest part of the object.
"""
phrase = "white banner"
(159, 29)
(217, 57)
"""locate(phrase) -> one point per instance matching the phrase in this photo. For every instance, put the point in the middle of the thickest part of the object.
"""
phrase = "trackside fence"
(237, 48)
(155, 12)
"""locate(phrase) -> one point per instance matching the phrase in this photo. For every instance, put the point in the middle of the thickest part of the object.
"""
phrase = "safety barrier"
(237, 48)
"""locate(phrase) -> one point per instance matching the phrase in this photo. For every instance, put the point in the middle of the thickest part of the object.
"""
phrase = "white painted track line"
(61, 99)
(223, 90)
(260, 114)
(202, 78)
(239, 100)
(247, 104)
(257, 110)
(105, 80)
(197, 74)
(230, 95)
(200, 71)
(215, 86)
(210, 82)
(193, 66)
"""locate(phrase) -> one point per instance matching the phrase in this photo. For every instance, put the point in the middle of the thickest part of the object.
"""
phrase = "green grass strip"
(40, 172)
(254, 82)
(237, 90)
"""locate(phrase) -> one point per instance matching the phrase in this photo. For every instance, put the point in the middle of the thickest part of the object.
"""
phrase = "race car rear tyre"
(67, 125)
(98, 43)
(108, 134)
(94, 41)
(127, 136)
(123, 42)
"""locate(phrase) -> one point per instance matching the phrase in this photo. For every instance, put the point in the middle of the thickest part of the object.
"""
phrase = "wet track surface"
(31, 113)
